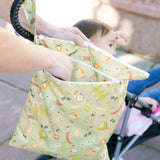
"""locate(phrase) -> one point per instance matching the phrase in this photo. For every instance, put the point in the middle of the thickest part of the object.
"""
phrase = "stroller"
(131, 99)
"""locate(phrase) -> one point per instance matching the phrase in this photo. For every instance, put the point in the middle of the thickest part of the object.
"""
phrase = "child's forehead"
(111, 33)
(111, 36)
(107, 38)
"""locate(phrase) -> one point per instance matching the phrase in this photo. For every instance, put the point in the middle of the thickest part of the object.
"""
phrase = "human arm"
(18, 56)
(42, 27)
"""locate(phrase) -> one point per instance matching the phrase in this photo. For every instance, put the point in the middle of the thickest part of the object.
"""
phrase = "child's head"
(101, 34)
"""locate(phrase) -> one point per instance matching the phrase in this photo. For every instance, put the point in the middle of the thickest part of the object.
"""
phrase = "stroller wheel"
(45, 157)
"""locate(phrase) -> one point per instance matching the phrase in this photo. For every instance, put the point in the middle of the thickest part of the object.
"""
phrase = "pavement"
(13, 93)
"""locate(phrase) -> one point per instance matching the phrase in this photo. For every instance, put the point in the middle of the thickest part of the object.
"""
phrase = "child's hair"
(89, 27)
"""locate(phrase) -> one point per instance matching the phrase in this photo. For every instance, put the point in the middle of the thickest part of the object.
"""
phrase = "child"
(105, 38)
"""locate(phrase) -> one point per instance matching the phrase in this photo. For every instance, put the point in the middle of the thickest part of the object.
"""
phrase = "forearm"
(18, 56)
(42, 27)
(5, 6)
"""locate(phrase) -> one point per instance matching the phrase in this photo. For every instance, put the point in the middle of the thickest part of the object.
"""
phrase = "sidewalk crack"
(152, 148)
(13, 86)
(5, 142)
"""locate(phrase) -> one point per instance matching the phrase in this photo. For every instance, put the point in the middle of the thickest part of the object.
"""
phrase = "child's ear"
(121, 34)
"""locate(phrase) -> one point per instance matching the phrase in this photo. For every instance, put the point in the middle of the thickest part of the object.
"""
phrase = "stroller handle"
(15, 20)
(146, 108)
(132, 96)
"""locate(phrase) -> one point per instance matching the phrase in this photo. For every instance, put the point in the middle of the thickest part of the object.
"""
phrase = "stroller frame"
(131, 98)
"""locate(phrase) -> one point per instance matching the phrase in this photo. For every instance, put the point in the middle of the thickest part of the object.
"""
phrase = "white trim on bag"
(72, 82)
(113, 80)
(88, 44)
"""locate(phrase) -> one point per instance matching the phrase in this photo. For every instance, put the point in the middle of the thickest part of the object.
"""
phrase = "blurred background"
(140, 19)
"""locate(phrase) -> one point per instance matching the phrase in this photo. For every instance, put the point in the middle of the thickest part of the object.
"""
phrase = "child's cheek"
(112, 51)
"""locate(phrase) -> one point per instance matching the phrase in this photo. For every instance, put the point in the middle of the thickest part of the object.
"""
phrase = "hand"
(121, 34)
(62, 66)
(150, 101)
(31, 57)
(72, 34)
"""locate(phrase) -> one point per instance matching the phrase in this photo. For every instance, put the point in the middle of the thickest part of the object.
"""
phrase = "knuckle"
(76, 30)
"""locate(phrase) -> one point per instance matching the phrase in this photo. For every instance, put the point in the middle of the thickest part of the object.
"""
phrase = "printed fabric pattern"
(74, 120)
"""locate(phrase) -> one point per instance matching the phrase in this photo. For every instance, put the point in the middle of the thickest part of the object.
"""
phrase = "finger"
(152, 101)
(78, 39)
(153, 108)
(68, 66)
(68, 72)
(77, 31)
(62, 73)
(64, 57)
(67, 62)
(124, 36)
(155, 102)
(62, 69)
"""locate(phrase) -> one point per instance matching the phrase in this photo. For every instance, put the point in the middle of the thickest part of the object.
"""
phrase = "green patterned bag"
(74, 119)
